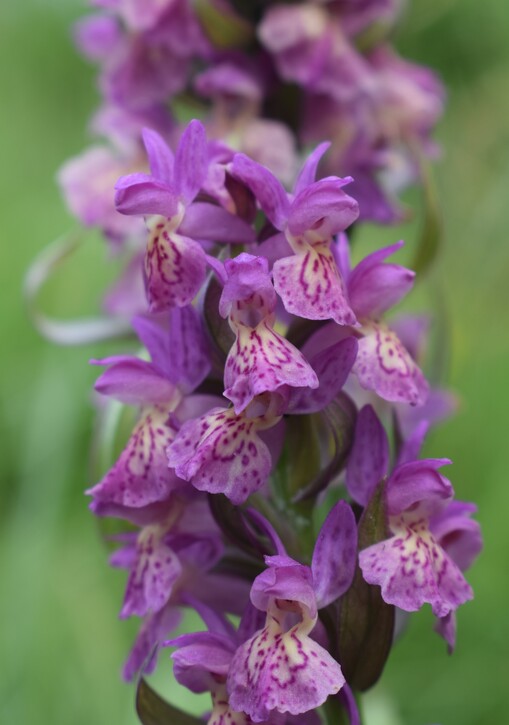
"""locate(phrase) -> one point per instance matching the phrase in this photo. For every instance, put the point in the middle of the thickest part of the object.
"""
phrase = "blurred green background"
(61, 644)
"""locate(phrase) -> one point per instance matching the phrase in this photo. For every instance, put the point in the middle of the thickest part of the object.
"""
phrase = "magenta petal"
(161, 158)
(310, 286)
(283, 672)
(134, 382)
(374, 287)
(141, 475)
(188, 350)
(155, 571)
(143, 195)
(446, 628)
(335, 555)
(201, 660)
(332, 367)
(191, 161)
(419, 482)
(286, 579)
(369, 458)
(222, 453)
(412, 569)
(384, 366)
(307, 174)
(322, 210)
(174, 268)
(267, 189)
(154, 630)
(210, 222)
(457, 533)
(260, 361)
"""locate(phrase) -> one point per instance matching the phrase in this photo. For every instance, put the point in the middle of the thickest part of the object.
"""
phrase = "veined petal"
(267, 189)
(174, 268)
(369, 458)
(160, 156)
(134, 382)
(335, 555)
(141, 476)
(261, 360)
(140, 194)
(332, 366)
(374, 287)
(155, 571)
(310, 286)
(211, 222)
(307, 174)
(286, 672)
(154, 630)
(322, 210)
(419, 482)
(221, 452)
(412, 569)
(384, 366)
(191, 161)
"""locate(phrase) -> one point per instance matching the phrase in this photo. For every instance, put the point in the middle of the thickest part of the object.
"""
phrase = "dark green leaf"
(366, 622)
(339, 418)
(153, 710)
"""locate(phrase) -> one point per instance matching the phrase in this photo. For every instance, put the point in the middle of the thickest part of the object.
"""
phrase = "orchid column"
(272, 482)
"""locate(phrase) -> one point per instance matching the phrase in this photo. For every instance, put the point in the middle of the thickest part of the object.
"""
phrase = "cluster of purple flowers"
(272, 391)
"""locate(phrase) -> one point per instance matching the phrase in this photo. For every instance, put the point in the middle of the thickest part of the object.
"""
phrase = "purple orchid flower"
(197, 587)
(383, 364)
(260, 360)
(460, 536)
(179, 362)
(280, 669)
(175, 263)
(411, 566)
(308, 281)
(225, 452)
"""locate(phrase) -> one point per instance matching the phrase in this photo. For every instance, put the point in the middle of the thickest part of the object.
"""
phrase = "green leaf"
(339, 424)
(432, 225)
(366, 622)
(153, 710)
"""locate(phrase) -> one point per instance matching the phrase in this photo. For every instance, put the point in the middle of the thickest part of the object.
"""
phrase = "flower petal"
(210, 222)
(141, 476)
(332, 366)
(322, 210)
(288, 673)
(155, 571)
(369, 458)
(160, 156)
(412, 569)
(191, 161)
(310, 286)
(374, 287)
(140, 194)
(260, 361)
(222, 453)
(174, 268)
(267, 189)
(307, 174)
(384, 366)
(335, 555)
(133, 381)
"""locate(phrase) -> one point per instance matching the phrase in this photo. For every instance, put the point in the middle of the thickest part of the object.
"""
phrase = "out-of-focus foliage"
(61, 646)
